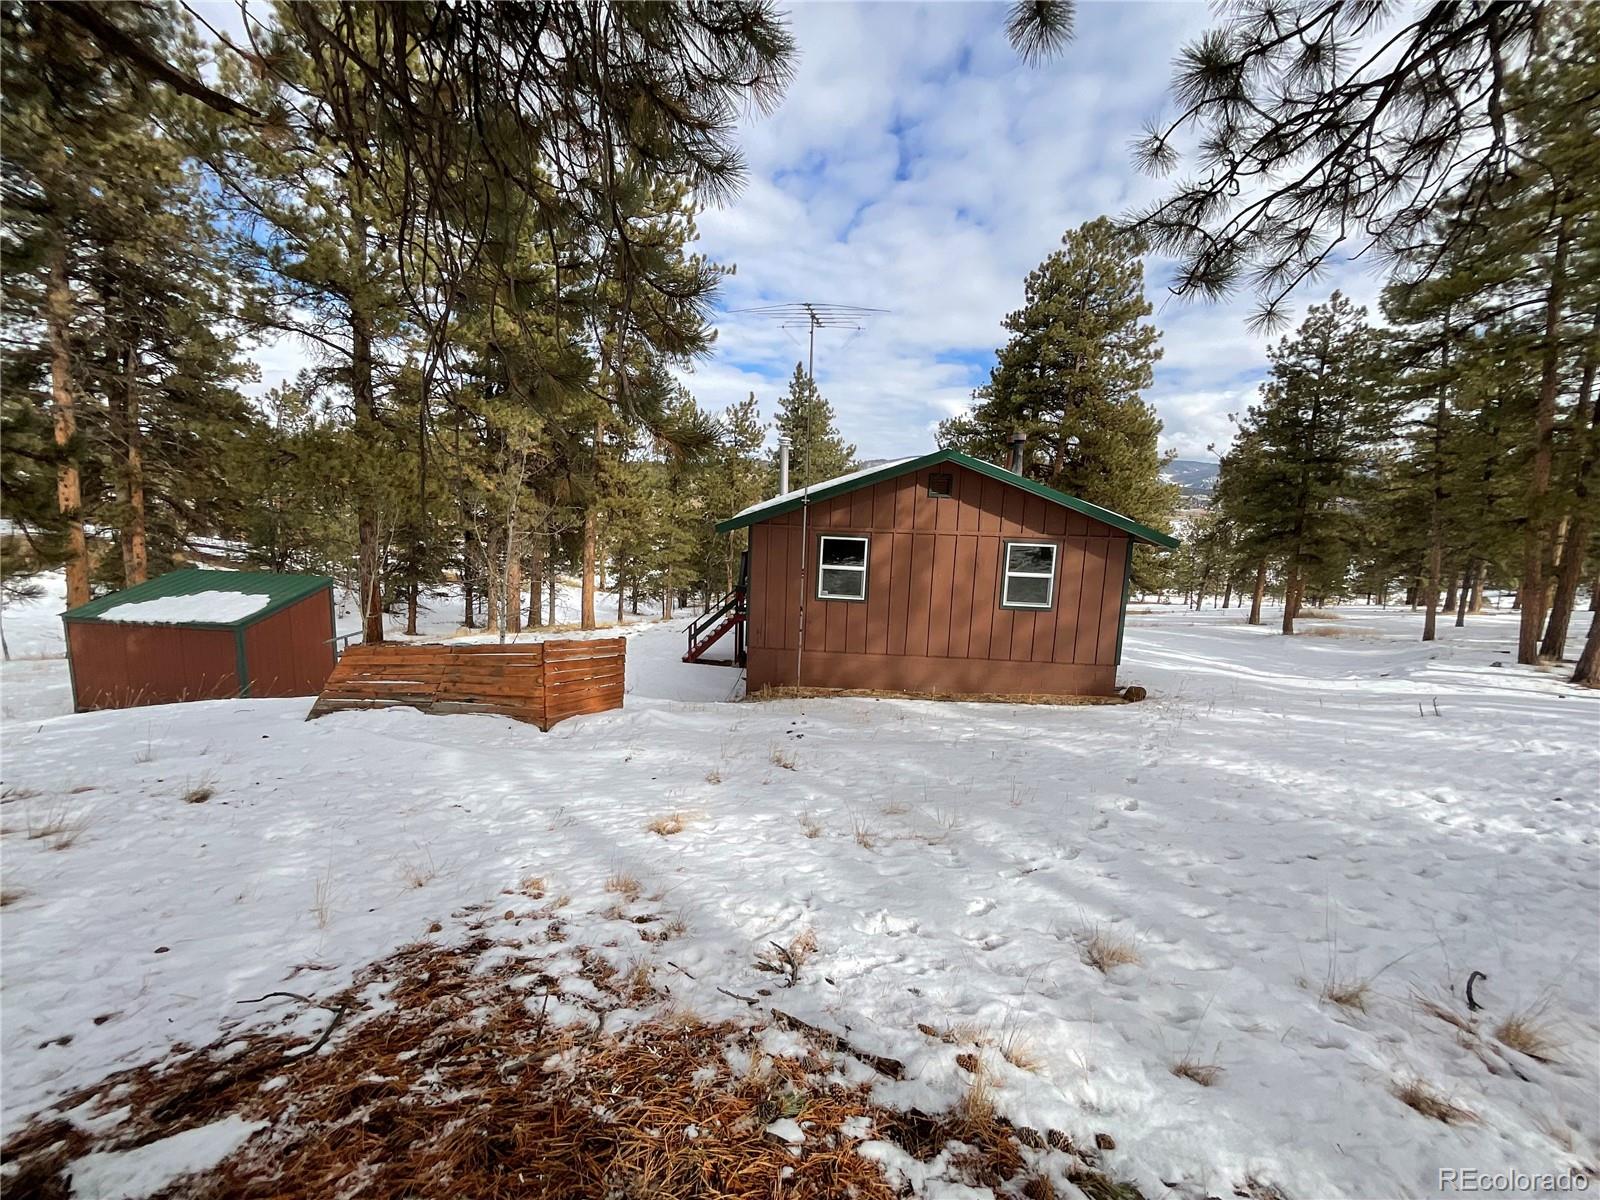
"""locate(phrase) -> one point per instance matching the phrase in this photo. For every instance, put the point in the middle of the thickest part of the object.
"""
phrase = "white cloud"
(917, 165)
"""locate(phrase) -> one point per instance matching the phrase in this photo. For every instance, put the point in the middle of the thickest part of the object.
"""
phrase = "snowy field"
(1300, 849)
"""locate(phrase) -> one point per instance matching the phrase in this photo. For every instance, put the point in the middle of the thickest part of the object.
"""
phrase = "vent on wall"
(940, 484)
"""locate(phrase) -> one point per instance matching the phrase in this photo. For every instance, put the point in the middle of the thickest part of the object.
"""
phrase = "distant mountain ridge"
(1195, 477)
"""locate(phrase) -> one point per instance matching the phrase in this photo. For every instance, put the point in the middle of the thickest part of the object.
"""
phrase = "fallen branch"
(892, 1067)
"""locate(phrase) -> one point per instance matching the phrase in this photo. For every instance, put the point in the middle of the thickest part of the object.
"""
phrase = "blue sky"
(917, 165)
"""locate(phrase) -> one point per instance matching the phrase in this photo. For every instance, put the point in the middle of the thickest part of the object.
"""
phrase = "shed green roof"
(790, 501)
(280, 590)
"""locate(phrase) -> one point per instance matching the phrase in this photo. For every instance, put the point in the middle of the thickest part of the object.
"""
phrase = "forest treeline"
(482, 220)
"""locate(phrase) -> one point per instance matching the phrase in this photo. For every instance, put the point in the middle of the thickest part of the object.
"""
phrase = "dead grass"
(322, 901)
(10, 895)
(779, 757)
(1104, 950)
(200, 791)
(788, 960)
(1416, 1094)
(810, 825)
(866, 837)
(669, 824)
(1347, 991)
(59, 827)
(625, 885)
(895, 808)
(1318, 614)
(793, 693)
(460, 1086)
(419, 872)
(1329, 631)
(713, 776)
(1529, 1032)
(1203, 1073)
(1018, 1048)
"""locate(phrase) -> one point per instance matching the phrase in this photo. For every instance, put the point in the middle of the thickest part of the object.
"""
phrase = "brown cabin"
(939, 574)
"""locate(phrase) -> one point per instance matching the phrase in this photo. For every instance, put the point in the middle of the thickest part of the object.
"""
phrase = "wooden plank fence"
(537, 682)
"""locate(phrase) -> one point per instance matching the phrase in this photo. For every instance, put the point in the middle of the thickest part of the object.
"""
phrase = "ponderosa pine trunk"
(369, 582)
(63, 399)
(411, 609)
(514, 594)
(123, 416)
(1587, 671)
(1259, 593)
(586, 605)
(1452, 592)
(1468, 583)
(536, 583)
(1536, 535)
(621, 589)
(1291, 597)
(1575, 548)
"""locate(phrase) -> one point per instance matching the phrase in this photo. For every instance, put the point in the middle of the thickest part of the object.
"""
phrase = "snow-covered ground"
(1285, 824)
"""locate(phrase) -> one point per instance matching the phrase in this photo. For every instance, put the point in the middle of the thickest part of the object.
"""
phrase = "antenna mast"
(810, 315)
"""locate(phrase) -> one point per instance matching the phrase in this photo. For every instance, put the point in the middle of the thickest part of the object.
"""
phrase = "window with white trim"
(1030, 575)
(842, 568)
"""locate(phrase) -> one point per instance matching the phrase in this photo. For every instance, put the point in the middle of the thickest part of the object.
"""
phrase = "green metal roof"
(282, 590)
(860, 479)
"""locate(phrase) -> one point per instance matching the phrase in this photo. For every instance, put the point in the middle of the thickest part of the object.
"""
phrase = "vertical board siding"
(121, 665)
(934, 580)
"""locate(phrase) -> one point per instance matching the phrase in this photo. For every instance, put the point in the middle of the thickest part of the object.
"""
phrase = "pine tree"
(1070, 377)
(817, 449)
(1308, 442)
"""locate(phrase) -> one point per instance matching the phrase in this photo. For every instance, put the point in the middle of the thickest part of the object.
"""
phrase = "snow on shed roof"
(198, 597)
(856, 479)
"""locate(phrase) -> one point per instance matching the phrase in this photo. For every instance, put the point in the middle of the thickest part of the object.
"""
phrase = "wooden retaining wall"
(537, 682)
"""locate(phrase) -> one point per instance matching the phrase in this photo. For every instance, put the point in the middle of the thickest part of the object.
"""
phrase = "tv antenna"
(810, 315)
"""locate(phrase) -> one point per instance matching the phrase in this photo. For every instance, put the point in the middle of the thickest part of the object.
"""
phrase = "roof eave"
(1132, 528)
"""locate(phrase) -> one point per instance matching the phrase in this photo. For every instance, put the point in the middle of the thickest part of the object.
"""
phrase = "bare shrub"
(810, 825)
(624, 885)
(1104, 950)
(783, 758)
(1415, 1093)
(895, 808)
(1528, 1032)
(1205, 1074)
(713, 776)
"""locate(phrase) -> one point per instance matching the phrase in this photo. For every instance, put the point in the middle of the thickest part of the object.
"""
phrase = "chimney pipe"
(783, 464)
(1018, 441)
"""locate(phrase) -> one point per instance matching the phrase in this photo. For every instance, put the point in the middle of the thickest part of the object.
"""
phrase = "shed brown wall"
(932, 618)
(118, 665)
(290, 653)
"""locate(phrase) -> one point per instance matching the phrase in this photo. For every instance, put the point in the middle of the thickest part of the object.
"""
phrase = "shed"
(202, 635)
(937, 574)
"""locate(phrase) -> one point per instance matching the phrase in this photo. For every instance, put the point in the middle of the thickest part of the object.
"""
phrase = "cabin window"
(842, 574)
(940, 484)
(1030, 575)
